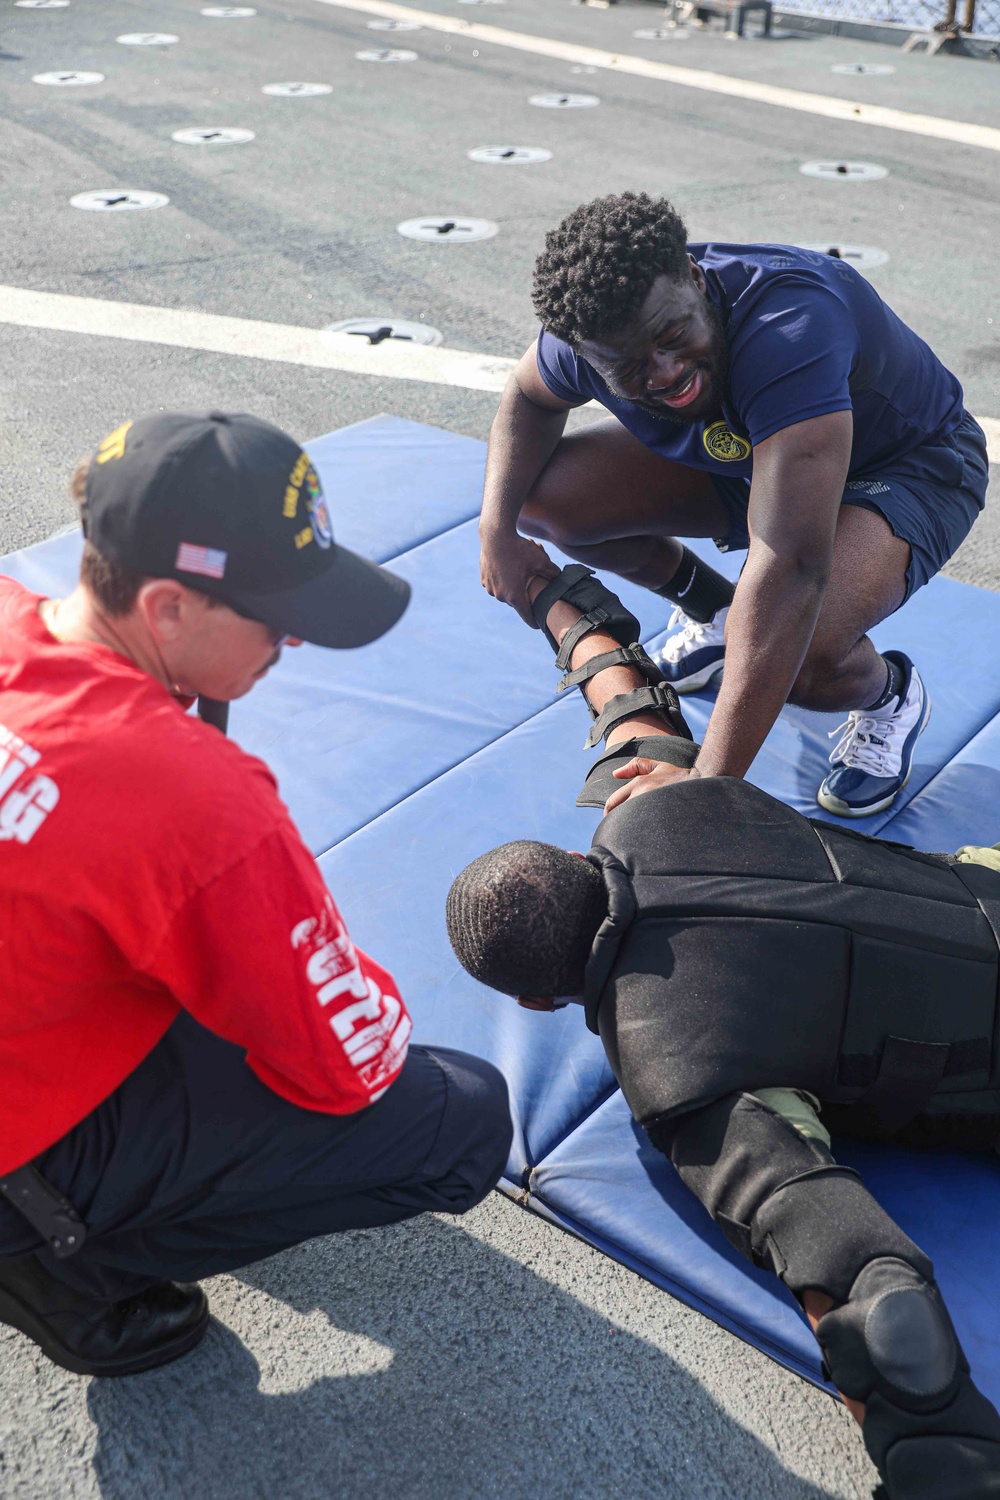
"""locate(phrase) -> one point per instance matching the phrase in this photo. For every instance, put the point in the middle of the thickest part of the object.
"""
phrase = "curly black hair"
(523, 917)
(598, 266)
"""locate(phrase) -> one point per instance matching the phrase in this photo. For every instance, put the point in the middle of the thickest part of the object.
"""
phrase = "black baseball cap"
(232, 506)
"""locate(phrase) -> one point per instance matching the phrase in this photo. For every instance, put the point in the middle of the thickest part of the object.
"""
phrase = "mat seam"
(939, 773)
(416, 546)
(487, 745)
(578, 1124)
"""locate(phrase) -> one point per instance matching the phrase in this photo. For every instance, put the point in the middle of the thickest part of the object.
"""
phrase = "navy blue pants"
(193, 1167)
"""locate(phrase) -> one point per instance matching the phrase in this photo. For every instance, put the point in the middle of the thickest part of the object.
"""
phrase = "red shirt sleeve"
(261, 956)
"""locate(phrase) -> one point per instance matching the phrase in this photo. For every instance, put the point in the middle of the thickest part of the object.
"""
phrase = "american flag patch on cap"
(208, 561)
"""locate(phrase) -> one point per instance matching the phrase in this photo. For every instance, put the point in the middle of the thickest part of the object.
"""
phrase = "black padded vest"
(749, 947)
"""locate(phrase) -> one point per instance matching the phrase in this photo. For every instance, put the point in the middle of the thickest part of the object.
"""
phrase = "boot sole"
(17, 1315)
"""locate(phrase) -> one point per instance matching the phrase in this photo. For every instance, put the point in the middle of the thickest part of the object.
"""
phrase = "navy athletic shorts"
(929, 497)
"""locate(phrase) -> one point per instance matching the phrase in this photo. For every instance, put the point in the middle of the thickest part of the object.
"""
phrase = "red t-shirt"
(147, 864)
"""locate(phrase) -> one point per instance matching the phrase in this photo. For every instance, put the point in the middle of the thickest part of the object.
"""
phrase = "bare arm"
(524, 435)
(798, 480)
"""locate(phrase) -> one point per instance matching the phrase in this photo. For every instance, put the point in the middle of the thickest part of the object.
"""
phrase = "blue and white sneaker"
(692, 657)
(873, 759)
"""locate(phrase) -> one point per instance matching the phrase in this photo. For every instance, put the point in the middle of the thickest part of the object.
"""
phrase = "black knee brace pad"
(783, 1202)
(930, 1433)
(893, 1336)
(657, 694)
(670, 749)
(602, 610)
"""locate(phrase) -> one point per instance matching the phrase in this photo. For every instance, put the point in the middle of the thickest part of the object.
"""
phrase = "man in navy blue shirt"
(764, 396)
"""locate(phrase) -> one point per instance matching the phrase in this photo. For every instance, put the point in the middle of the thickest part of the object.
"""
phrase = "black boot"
(91, 1337)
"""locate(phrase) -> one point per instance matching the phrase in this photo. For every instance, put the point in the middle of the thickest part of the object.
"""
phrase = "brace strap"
(599, 607)
(624, 656)
(593, 619)
(672, 750)
(658, 695)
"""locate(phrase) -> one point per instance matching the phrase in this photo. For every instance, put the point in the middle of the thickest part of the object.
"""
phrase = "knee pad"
(785, 1204)
(929, 1431)
(893, 1336)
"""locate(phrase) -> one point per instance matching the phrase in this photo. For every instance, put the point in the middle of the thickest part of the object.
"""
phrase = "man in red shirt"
(198, 1067)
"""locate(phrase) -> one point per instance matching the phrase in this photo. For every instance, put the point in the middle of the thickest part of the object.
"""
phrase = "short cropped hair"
(113, 587)
(598, 266)
(522, 918)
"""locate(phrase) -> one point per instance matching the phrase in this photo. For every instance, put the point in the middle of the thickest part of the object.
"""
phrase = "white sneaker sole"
(843, 810)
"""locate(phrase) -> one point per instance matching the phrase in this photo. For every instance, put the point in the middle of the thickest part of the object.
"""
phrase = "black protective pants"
(193, 1167)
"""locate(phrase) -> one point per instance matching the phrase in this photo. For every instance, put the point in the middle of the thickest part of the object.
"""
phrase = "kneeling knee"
(892, 1336)
(479, 1126)
(536, 522)
(554, 517)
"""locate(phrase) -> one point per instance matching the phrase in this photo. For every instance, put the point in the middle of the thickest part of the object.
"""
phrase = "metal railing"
(968, 17)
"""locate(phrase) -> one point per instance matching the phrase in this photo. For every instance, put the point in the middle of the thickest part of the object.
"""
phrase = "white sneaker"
(692, 657)
(873, 759)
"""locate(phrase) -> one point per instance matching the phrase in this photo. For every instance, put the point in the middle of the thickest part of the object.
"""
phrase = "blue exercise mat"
(403, 761)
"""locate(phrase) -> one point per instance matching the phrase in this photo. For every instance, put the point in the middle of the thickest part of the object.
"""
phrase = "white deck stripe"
(827, 105)
(250, 339)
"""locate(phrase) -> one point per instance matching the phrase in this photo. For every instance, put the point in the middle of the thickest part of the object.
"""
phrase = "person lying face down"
(686, 932)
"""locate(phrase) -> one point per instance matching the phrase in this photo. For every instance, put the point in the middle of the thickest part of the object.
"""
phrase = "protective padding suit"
(747, 947)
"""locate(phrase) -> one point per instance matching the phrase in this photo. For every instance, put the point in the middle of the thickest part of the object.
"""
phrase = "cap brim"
(351, 604)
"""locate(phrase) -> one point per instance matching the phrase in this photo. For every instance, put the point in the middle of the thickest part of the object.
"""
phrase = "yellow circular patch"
(724, 445)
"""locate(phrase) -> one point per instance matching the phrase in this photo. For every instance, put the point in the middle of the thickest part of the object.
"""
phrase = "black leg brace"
(603, 610)
(668, 749)
(785, 1204)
